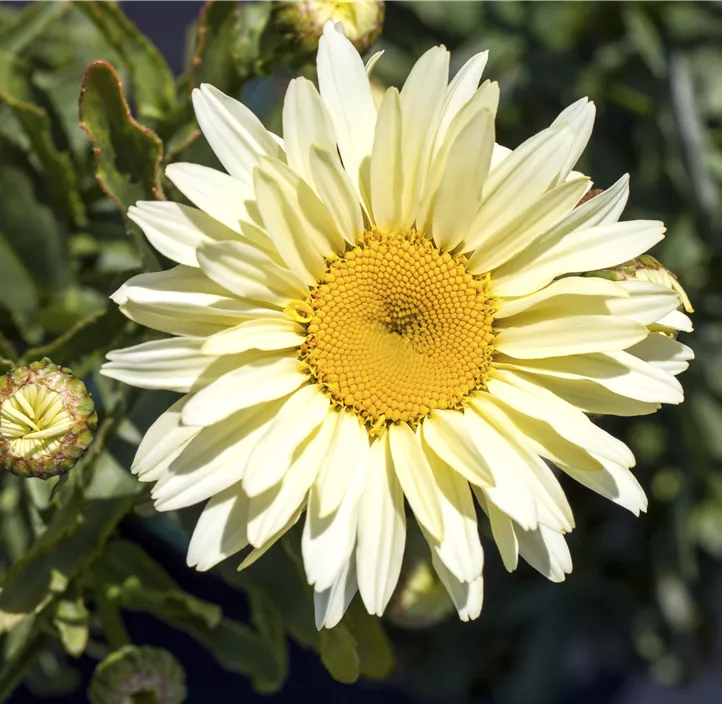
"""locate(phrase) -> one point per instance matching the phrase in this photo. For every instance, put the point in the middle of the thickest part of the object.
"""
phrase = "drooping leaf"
(216, 36)
(152, 80)
(339, 654)
(376, 656)
(127, 155)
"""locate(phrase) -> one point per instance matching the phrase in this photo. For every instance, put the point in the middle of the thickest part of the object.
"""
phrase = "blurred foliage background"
(81, 558)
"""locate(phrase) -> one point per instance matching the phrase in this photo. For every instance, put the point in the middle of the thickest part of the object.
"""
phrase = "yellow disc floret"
(399, 328)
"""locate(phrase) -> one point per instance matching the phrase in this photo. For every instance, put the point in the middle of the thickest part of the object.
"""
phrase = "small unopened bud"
(47, 419)
(302, 22)
(138, 675)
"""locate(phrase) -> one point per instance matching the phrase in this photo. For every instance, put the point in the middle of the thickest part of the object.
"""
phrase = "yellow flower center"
(397, 328)
(33, 420)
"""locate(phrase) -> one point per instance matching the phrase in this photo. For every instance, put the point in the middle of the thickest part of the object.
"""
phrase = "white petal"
(614, 482)
(346, 92)
(567, 287)
(381, 530)
(330, 604)
(460, 190)
(448, 436)
(537, 436)
(297, 221)
(647, 302)
(248, 272)
(290, 494)
(467, 597)
(306, 123)
(582, 250)
(327, 543)
(664, 353)
(422, 98)
(619, 372)
(416, 478)
(520, 391)
(499, 244)
(337, 193)
(459, 91)
(387, 175)
(177, 230)
(257, 553)
(502, 530)
(348, 447)
(676, 320)
(261, 379)
(520, 180)
(235, 134)
(460, 549)
(577, 334)
(175, 364)
(546, 551)
(220, 531)
(221, 196)
(213, 460)
(511, 492)
(258, 334)
(580, 116)
(162, 442)
(282, 442)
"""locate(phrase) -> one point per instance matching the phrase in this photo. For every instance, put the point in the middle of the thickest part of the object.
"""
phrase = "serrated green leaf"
(339, 654)
(29, 23)
(127, 155)
(216, 36)
(153, 85)
(17, 289)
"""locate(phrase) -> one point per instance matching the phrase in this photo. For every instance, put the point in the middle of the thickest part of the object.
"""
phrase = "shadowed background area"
(638, 619)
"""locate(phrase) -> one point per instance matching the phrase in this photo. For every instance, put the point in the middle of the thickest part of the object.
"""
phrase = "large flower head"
(387, 307)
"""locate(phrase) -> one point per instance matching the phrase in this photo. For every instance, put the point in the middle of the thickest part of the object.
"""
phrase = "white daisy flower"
(386, 307)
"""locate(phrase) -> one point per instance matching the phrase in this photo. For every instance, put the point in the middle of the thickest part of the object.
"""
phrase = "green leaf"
(152, 80)
(217, 34)
(56, 167)
(122, 557)
(17, 289)
(72, 541)
(267, 620)
(339, 654)
(127, 155)
(235, 646)
(71, 619)
(31, 22)
(14, 670)
(372, 644)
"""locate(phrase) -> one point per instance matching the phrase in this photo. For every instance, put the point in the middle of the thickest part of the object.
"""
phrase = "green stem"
(113, 626)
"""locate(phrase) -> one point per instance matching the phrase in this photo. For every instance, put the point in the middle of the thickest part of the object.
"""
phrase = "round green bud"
(47, 419)
(301, 23)
(137, 674)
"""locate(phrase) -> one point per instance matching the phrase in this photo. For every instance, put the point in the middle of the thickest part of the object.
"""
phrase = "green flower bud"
(138, 674)
(47, 419)
(301, 23)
